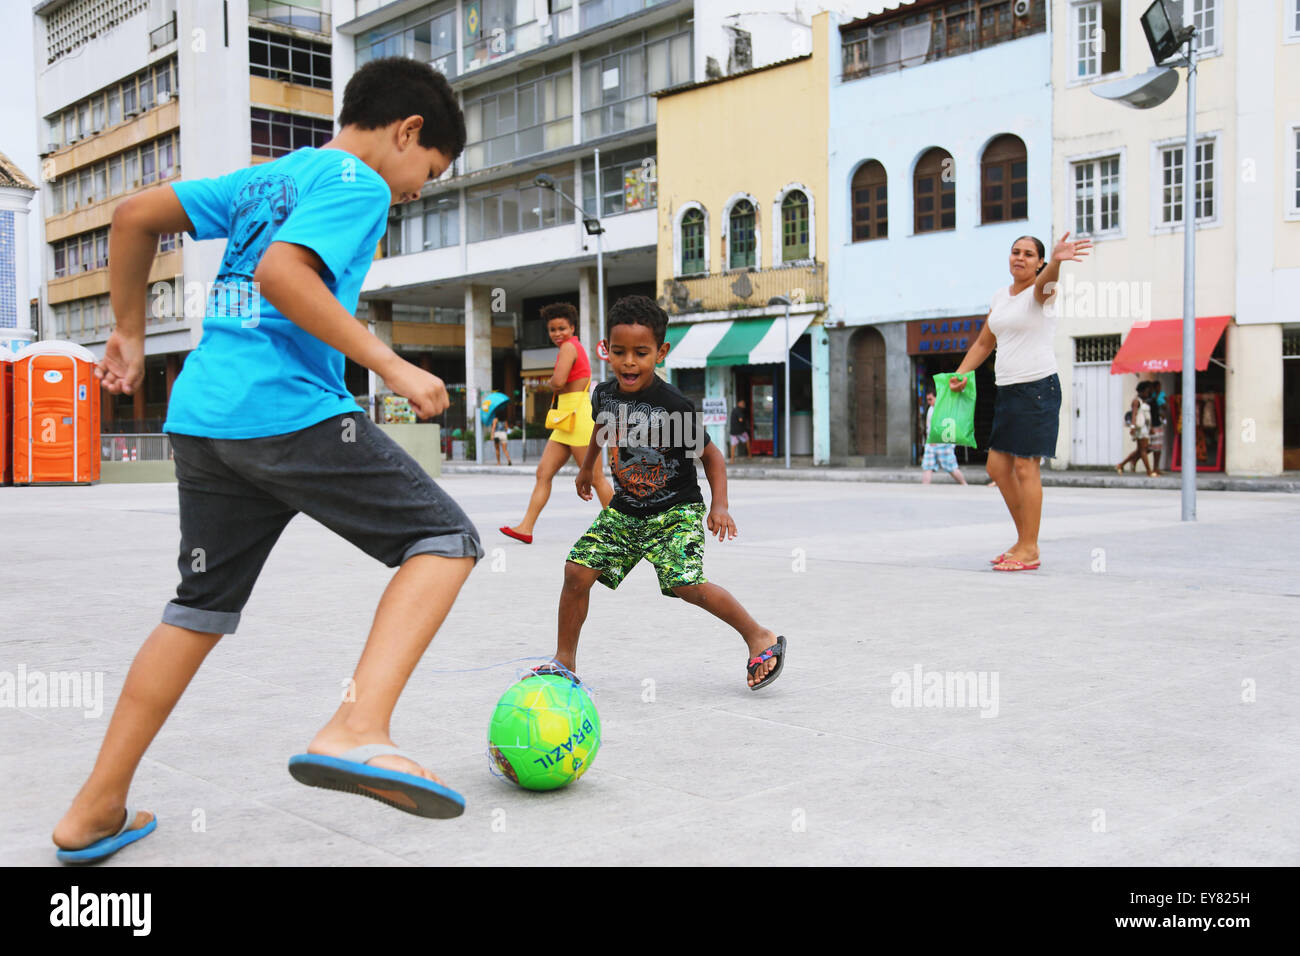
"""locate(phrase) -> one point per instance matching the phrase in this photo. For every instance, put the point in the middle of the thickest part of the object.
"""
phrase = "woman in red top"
(570, 382)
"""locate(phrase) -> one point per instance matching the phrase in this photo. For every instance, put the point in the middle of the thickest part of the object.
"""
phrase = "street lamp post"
(785, 434)
(1143, 92)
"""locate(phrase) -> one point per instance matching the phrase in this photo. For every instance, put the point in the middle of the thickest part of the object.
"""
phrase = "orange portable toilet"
(56, 415)
(6, 416)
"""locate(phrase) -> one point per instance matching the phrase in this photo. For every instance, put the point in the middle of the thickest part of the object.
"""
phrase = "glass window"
(83, 120)
(693, 242)
(740, 236)
(74, 255)
(101, 182)
(115, 176)
(146, 92)
(131, 169)
(60, 261)
(870, 202)
(128, 97)
(87, 252)
(794, 227)
(165, 158)
(84, 186)
(70, 193)
(934, 191)
(101, 250)
(163, 78)
(69, 126)
(97, 113)
(1004, 174)
(56, 199)
(114, 107)
(54, 132)
(148, 171)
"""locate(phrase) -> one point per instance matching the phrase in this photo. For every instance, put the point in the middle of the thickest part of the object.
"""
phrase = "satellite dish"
(1143, 91)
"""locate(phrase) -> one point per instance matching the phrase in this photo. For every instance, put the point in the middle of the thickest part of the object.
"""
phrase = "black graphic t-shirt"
(654, 438)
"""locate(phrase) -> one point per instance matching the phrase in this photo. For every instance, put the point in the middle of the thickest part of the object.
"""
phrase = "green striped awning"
(739, 342)
(673, 335)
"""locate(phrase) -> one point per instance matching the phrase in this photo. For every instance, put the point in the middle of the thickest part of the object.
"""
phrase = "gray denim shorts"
(237, 495)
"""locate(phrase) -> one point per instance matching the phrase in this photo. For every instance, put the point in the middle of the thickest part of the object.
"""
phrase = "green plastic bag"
(954, 412)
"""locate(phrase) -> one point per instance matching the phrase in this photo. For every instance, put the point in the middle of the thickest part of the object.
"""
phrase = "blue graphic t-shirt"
(256, 373)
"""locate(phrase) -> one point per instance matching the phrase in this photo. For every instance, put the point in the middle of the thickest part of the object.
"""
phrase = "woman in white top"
(1026, 413)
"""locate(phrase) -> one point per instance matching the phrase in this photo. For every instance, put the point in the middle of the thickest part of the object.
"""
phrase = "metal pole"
(600, 271)
(1189, 292)
(478, 425)
(785, 437)
(600, 290)
(523, 419)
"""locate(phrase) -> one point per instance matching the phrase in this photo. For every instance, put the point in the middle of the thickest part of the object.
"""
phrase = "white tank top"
(1024, 333)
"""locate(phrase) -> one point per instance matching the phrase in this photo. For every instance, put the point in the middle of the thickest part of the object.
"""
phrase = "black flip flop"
(777, 650)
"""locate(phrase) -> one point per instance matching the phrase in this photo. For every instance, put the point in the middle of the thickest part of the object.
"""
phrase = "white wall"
(959, 104)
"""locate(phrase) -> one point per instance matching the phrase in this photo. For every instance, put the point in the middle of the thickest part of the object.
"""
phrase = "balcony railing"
(303, 16)
(745, 289)
(163, 35)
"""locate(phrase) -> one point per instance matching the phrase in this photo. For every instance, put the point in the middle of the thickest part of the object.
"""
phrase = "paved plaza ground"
(1140, 693)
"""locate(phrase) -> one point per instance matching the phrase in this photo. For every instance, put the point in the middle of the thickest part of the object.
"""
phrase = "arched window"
(794, 226)
(692, 240)
(741, 239)
(934, 192)
(870, 202)
(1004, 180)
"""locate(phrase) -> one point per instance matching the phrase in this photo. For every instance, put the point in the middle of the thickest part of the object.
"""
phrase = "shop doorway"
(1291, 399)
(867, 355)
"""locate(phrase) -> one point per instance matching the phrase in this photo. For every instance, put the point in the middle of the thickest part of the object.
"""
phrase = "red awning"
(1158, 346)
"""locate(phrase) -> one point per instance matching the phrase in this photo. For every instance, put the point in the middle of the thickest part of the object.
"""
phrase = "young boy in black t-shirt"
(657, 512)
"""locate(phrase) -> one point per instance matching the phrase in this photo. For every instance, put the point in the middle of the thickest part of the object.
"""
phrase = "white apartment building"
(134, 93)
(1118, 177)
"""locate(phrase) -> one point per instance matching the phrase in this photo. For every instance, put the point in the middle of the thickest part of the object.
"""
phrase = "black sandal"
(556, 668)
(777, 650)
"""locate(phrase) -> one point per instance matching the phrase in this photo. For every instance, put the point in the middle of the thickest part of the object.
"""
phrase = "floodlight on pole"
(1144, 92)
(785, 433)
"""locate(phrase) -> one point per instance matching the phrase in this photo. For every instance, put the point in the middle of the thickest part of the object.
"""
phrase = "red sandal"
(512, 533)
(1011, 564)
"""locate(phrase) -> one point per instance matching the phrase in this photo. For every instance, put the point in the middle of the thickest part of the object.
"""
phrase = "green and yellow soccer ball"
(544, 732)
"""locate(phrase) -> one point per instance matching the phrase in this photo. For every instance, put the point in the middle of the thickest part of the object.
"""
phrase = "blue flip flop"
(350, 774)
(103, 849)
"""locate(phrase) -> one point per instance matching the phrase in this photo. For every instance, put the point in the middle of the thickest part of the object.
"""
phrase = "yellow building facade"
(742, 228)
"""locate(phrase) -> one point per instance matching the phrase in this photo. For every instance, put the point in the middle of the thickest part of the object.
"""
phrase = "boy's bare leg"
(721, 604)
(574, 599)
(161, 671)
(413, 607)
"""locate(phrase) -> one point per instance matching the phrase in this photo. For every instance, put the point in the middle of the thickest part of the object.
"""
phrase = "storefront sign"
(943, 335)
(714, 411)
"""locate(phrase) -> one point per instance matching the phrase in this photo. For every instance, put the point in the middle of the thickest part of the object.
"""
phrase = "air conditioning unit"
(131, 114)
(164, 97)
(51, 147)
(1021, 8)
(75, 139)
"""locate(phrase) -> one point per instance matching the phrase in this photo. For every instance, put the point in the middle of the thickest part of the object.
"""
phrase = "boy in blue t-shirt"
(262, 428)
(657, 513)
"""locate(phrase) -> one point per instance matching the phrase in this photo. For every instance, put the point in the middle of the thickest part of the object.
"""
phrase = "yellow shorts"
(580, 404)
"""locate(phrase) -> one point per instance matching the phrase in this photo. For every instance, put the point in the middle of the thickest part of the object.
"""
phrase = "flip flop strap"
(767, 655)
(367, 752)
(126, 824)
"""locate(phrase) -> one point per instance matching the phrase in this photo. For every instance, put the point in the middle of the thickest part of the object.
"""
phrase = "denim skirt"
(1026, 418)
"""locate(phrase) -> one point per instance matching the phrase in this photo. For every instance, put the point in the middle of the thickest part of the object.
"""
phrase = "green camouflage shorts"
(673, 541)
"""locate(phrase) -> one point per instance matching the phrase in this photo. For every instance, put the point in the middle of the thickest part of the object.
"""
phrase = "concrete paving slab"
(1145, 709)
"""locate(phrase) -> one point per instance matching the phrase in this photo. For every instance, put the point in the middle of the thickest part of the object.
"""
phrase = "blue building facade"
(940, 147)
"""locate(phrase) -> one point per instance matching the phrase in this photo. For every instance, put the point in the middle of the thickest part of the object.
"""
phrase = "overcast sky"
(18, 127)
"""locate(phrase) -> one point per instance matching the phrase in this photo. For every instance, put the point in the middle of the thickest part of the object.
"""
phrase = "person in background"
(1158, 405)
(500, 433)
(1140, 429)
(942, 455)
(738, 428)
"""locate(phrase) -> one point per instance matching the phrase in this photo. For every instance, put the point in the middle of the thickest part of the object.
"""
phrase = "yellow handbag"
(558, 420)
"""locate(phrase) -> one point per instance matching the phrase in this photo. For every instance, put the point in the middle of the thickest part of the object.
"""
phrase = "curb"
(913, 476)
